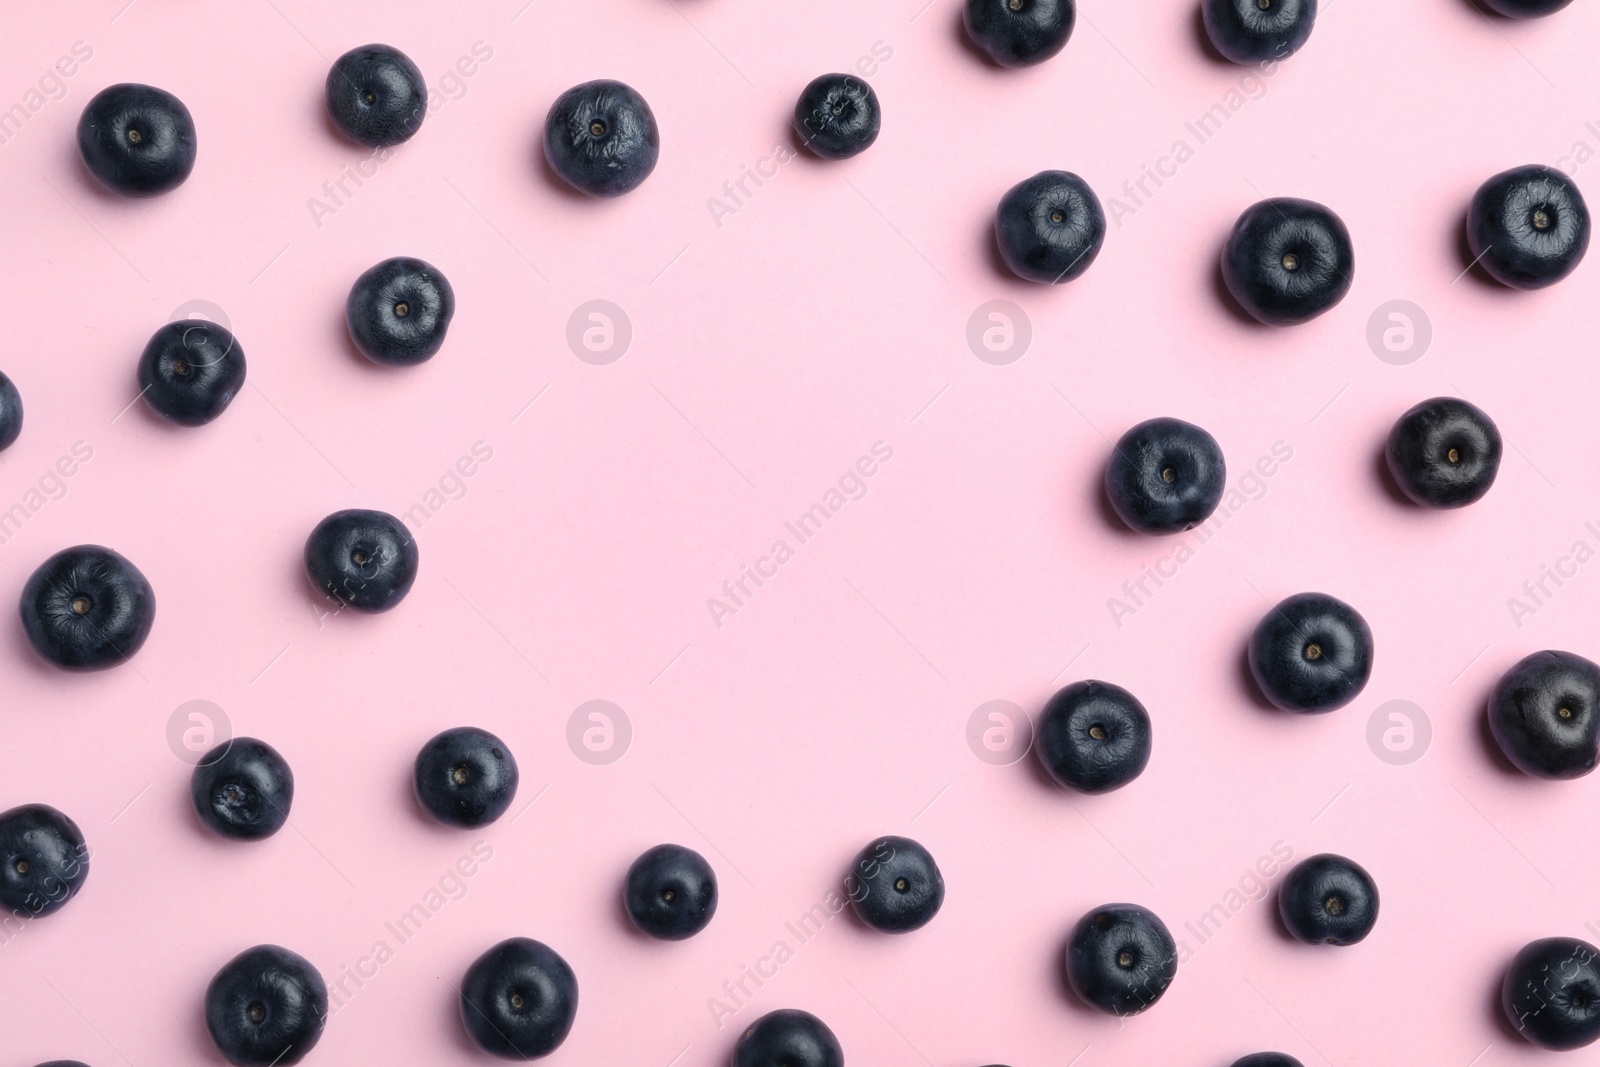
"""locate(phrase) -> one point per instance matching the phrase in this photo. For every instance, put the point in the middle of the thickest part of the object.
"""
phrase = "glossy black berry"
(1528, 227)
(1287, 261)
(518, 999)
(1545, 715)
(10, 413)
(1019, 33)
(266, 1006)
(671, 892)
(1551, 993)
(895, 886)
(1526, 9)
(838, 116)
(1050, 228)
(64, 1063)
(376, 96)
(366, 560)
(243, 789)
(398, 311)
(87, 608)
(1165, 476)
(601, 138)
(788, 1037)
(1328, 900)
(191, 370)
(1258, 31)
(1311, 653)
(1121, 958)
(1267, 1059)
(465, 777)
(1094, 737)
(1444, 453)
(43, 860)
(137, 139)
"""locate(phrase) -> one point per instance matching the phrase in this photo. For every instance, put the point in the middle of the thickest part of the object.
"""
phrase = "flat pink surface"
(816, 319)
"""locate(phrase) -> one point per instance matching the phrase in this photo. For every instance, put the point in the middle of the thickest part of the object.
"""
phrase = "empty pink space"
(590, 486)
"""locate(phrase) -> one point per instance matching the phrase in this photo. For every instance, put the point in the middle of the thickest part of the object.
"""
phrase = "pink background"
(829, 312)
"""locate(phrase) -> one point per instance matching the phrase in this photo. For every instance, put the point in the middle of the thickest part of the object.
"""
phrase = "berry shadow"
(1491, 747)
(1219, 285)
(964, 41)
(1101, 504)
(452, 1007)
(1471, 269)
(1497, 1012)
(1247, 682)
(1203, 40)
(1385, 478)
(554, 182)
(85, 181)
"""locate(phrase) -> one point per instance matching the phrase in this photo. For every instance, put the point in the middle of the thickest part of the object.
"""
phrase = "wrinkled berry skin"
(1267, 1059)
(191, 370)
(137, 140)
(366, 560)
(465, 777)
(10, 413)
(1121, 959)
(1444, 453)
(1528, 227)
(1328, 900)
(1094, 737)
(1551, 993)
(518, 1000)
(671, 892)
(87, 608)
(266, 1006)
(1020, 37)
(44, 860)
(398, 311)
(1242, 32)
(1545, 715)
(1288, 261)
(788, 1037)
(1050, 227)
(376, 96)
(1311, 653)
(1165, 476)
(894, 885)
(1526, 9)
(243, 789)
(838, 116)
(601, 138)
